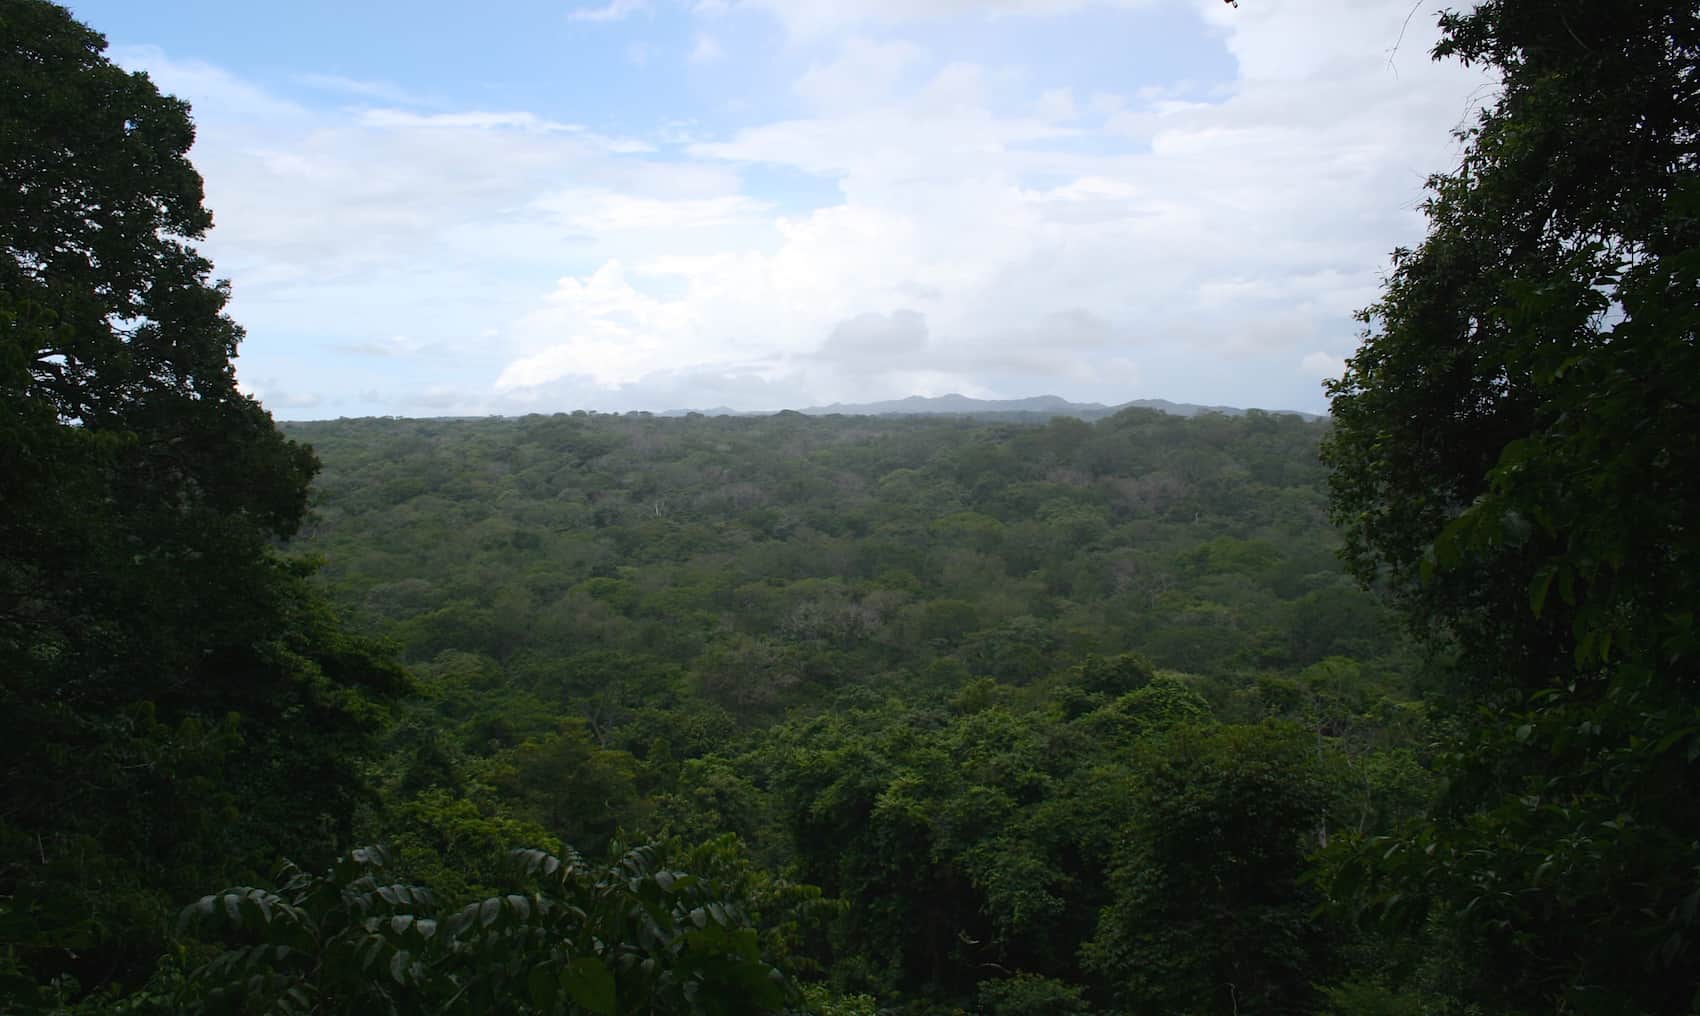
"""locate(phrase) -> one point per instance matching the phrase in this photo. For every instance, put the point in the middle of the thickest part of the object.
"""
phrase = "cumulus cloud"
(601, 328)
(981, 229)
(1247, 223)
(875, 339)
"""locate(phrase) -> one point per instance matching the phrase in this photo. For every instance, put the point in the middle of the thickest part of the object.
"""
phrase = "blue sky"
(433, 209)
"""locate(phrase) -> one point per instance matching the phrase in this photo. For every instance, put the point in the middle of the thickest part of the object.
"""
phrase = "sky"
(432, 208)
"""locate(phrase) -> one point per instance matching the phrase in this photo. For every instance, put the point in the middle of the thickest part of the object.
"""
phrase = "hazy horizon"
(852, 407)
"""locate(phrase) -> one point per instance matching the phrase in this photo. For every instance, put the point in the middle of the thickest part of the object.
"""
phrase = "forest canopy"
(590, 713)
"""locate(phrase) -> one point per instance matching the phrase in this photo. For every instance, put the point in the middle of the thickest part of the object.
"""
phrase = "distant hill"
(1189, 409)
(716, 411)
(962, 405)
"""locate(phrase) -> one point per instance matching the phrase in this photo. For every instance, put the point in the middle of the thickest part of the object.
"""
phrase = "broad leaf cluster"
(634, 936)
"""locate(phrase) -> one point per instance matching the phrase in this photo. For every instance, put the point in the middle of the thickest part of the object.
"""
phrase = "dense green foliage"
(760, 563)
(896, 658)
(633, 936)
(1518, 452)
(176, 704)
(931, 716)
(889, 658)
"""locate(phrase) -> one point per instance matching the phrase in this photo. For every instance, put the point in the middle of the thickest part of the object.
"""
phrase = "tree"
(1208, 913)
(1516, 458)
(174, 703)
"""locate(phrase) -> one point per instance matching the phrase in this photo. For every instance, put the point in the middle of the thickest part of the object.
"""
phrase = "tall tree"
(174, 703)
(1207, 911)
(1516, 456)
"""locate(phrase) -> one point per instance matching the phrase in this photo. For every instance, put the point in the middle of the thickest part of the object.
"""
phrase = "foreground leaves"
(631, 937)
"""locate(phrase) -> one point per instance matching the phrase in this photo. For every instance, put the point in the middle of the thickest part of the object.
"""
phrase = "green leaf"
(1538, 588)
(520, 906)
(370, 952)
(462, 921)
(590, 983)
(543, 985)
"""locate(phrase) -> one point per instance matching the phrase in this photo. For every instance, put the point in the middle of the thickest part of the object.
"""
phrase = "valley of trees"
(921, 664)
(1395, 713)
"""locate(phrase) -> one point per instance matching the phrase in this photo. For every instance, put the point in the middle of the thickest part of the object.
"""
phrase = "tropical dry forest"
(1392, 713)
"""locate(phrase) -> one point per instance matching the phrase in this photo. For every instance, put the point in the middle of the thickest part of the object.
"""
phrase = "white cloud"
(613, 10)
(601, 328)
(816, 17)
(475, 120)
(876, 340)
(706, 49)
(1322, 366)
(379, 91)
(980, 231)
(1056, 104)
(395, 345)
(1240, 226)
(865, 70)
(216, 91)
(275, 397)
(608, 211)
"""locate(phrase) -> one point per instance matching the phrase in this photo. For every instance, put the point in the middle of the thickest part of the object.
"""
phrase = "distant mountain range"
(962, 405)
